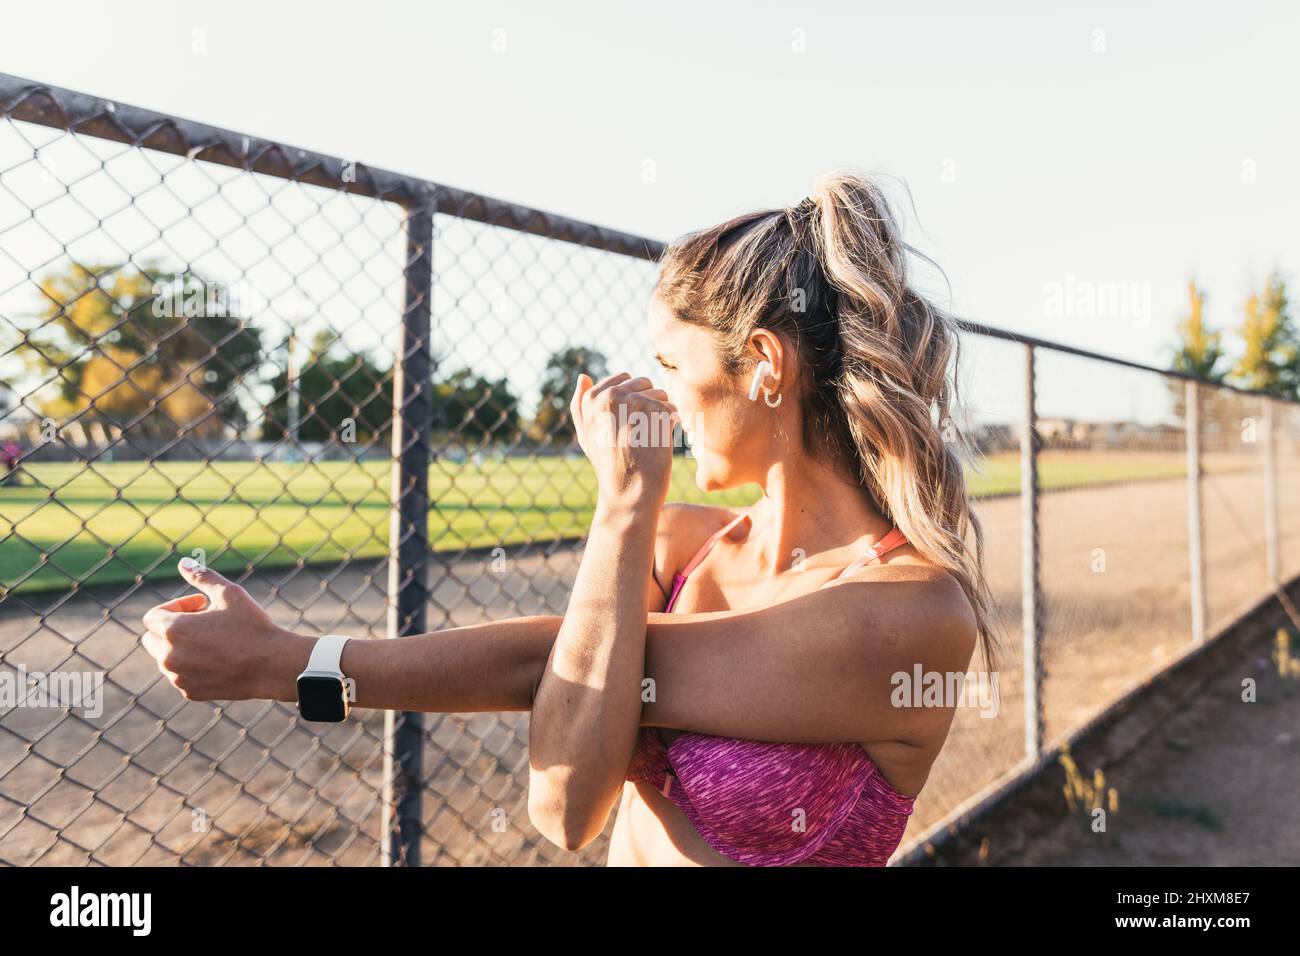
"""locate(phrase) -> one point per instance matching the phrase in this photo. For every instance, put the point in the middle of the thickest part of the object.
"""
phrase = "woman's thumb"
(579, 389)
(203, 577)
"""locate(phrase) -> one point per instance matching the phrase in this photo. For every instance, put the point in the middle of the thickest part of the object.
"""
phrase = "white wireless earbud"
(764, 367)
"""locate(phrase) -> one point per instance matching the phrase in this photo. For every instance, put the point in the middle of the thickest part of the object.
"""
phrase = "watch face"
(322, 698)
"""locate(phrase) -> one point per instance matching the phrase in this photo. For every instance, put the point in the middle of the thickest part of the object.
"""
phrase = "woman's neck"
(806, 509)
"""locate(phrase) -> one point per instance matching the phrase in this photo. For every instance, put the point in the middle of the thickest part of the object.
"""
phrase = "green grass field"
(110, 523)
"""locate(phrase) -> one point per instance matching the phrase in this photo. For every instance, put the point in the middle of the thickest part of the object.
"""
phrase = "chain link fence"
(346, 389)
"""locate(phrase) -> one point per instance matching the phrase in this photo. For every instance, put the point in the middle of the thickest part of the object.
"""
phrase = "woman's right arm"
(221, 645)
(819, 668)
(479, 667)
(829, 666)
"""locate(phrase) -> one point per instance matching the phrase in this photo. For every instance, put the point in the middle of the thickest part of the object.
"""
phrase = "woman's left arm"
(586, 710)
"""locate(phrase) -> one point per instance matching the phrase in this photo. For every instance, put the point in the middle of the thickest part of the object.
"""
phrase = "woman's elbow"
(568, 823)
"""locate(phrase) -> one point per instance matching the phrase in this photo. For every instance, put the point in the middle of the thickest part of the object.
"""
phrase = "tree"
(1199, 349)
(1271, 360)
(469, 407)
(552, 421)
(139, 347)
(334, 388)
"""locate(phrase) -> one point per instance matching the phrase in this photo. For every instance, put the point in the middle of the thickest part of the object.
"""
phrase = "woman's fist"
(213, 645)
(625, 427)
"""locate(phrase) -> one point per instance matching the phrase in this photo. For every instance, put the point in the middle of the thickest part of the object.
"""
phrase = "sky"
(1069, 168)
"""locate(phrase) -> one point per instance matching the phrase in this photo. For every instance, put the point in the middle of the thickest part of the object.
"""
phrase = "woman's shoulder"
(928, 603)
(683, 529)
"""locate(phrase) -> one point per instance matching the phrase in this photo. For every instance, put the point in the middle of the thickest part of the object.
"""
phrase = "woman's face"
(730, 437)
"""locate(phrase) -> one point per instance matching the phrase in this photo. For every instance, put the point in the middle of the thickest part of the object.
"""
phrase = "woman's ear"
(770, 349)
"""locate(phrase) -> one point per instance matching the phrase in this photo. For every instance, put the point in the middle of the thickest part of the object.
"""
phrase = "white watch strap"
(327, 655)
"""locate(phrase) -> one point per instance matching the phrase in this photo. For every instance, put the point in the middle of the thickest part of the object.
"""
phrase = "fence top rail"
(987, 330)
(59, 108)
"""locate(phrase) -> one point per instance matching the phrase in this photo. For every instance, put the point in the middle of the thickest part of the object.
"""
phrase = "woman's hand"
(625, 427)
(219, 647)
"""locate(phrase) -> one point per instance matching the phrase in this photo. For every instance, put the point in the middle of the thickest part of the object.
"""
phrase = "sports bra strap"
(712, 540)
(886, 544)
(889, 542)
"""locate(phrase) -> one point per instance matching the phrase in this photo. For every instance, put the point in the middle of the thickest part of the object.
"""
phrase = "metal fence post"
(1196, 557)
(1031, 598)
(408, 542)
(1272, 545)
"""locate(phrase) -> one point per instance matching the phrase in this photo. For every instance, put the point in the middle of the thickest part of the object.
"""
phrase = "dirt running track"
(156, 779)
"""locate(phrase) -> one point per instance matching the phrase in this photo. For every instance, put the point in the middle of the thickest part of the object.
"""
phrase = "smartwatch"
(322, 690)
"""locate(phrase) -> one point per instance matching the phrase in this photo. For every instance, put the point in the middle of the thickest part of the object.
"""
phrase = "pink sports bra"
(774, 804)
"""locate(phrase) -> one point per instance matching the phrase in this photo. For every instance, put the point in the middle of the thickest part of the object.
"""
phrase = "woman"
(738, 708)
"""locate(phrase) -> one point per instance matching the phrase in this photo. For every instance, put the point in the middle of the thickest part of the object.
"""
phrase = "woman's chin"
(705, 480)
(707, 475)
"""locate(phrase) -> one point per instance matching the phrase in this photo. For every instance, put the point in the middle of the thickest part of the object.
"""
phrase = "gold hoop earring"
(767, 399)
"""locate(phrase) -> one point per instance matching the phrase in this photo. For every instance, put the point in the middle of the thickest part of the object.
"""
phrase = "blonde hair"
(877, 359)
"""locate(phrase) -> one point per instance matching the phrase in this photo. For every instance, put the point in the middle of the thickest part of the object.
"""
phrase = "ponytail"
(897, 385)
